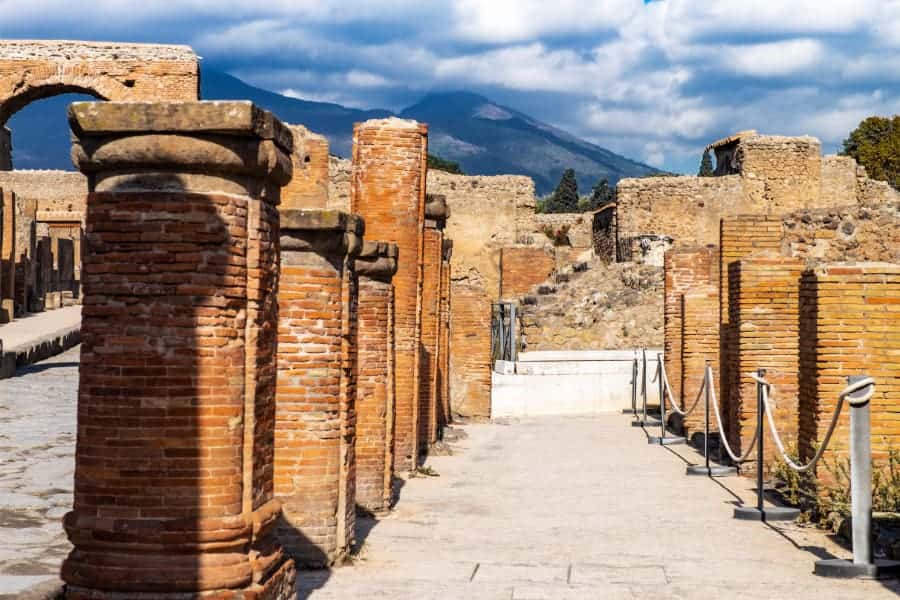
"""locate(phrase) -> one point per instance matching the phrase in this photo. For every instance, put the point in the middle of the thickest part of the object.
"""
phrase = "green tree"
(565, 198)
(875, 144)
(601, 194)
(706, 166)
(439, 164)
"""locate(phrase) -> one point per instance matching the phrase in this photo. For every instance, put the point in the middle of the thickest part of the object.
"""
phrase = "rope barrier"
(671, 396)
(853, 387)
(722, 436)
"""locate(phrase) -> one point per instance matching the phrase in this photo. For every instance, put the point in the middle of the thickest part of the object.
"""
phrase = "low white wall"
(568, 383)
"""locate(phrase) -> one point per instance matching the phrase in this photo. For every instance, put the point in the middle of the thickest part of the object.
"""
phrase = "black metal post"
(759, 443)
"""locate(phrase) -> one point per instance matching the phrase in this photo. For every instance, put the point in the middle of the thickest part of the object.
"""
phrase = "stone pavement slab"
(579, 508)
(38, 336)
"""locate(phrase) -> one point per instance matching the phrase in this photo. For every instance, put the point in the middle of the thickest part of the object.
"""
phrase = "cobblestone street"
(37, 444)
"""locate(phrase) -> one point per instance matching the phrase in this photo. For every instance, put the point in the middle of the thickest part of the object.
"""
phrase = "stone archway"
(35, 69)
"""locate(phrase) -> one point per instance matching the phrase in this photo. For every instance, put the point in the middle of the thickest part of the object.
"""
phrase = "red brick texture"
(375, 267)
(470, 349)
(522, 268)
(177, 381)
(443, 377)
(7, 256)
(315, 424)
(739, 237)
(699, 346)
(388, 191)
(308, 187)
(685, 269)
(764, 296)
(850, 325)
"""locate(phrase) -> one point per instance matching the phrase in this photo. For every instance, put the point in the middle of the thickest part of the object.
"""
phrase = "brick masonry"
(388, 191)
(7, 256)
(315, 424)
(699, 347)
(308, 187)
(375, 267)
(443, 376)
(523, 267)
(176, 398)
(763, 304)
(850, 325)
(470, 350)
(686, 268)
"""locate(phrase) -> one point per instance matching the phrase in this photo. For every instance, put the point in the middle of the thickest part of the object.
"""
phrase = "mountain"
(489, 139)
(485, 138)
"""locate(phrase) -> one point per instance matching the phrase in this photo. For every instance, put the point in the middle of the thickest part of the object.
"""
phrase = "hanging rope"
(722, 436)
(671, 396)
(853, 387)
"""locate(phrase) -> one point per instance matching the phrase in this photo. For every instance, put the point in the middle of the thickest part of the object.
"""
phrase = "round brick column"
(388, 190)
(315, 427)
(375, 267)
(173, 480)
(436, 213)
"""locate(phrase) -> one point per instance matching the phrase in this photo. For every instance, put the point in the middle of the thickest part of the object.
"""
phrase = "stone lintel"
(231, 147)
(59, 216)
(377, 260)
(330, 232)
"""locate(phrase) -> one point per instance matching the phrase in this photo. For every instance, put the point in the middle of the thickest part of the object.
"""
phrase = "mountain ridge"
(485, 137)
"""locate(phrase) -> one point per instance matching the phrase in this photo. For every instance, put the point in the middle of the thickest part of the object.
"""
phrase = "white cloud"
(773, 59)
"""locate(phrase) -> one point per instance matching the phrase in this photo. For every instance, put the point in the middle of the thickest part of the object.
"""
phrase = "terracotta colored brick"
(686, 268)
(699, 347)
(522, 268)
(315, 427)
(7, 256)
(847, 328)
(764, 296)
(308, 187)
(443, 377)
(375, 267)
(388, 191)
(470, 349)
(176, 398)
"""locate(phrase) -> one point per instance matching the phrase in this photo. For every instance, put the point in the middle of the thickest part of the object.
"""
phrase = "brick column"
(375, 267)
(8, 257)
(685, 269)
(699, 344)
(173, 485)
(470, 348)
(849, 325)
(315, 425)
(739, 237)
(443, 385)
(308, 188)
(763, 304)
(388, 191)
(436, 213)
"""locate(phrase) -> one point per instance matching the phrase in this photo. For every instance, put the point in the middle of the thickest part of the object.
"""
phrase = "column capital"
(330, 232)
(377, 260)
(436, 211)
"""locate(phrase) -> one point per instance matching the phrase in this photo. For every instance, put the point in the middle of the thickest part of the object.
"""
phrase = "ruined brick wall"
(580, 233)
(699, 344)
(388, 191)
(739, 237)
(470, 349)
(840, 184)
(781, 173)
(25, 254)
(339, 172)
(50, 190)
(850, 325)
(31, 69)
(764, 296)
(685, 269)
(8, 233)
(375, 376)
(434, 242)
(523, 267)
(443, 375)
(308, 187)
(5, 149)
(686, 208)
(857, 232)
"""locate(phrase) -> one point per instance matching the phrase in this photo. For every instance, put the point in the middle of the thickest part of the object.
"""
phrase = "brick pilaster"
(315, 429)
(436, 213)
(699, 345)
(173, 493)
(375, 267)
(8, 257)
(388, 191)
(443, 385)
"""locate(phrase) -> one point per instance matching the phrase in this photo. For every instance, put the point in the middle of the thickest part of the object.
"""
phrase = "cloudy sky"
(652, 80)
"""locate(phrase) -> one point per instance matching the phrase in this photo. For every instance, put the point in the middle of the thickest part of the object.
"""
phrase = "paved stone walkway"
(557, 508)
(564, 508)
(37, 447)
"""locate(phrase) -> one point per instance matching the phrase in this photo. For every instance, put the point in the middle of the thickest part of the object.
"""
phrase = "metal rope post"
(707, 469)
(761, 512)
(634, 374)
(663, 439)
(862, 564)
(644, 420)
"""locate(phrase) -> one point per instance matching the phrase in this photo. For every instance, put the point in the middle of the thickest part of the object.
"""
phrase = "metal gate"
(504, 342)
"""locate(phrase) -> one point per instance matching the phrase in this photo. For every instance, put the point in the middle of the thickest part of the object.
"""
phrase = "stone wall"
(524, 267)
(686, 208)
(339, 171)
(840, 183)
(31, 69)
(780, 173)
